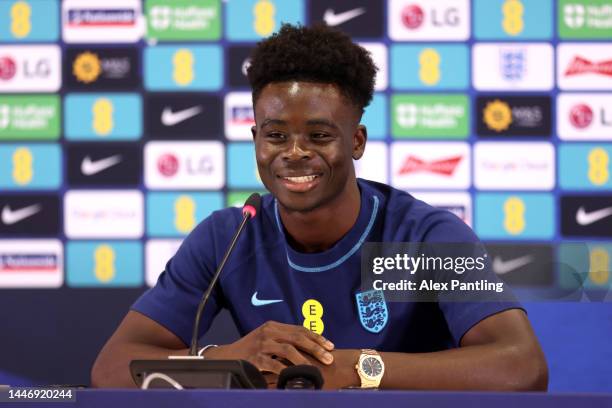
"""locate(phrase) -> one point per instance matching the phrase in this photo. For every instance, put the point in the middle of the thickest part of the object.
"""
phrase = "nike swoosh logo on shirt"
(587, 218)
(502, 267)
(10, 217)
(332, 19)
(262, 302)
(90, 167)
(170, 118)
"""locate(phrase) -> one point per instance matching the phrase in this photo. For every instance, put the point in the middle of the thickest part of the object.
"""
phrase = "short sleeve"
(461, 315)
(174, 299)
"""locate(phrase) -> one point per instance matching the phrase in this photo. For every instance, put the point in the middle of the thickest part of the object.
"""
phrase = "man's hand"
(342, 372)
(273, 346)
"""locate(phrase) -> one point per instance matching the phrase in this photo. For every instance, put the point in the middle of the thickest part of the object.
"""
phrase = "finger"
(284, 351)
(266, 363)
(304, 340)
(317, 338)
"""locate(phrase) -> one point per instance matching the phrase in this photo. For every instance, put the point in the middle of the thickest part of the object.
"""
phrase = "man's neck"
(319, 229)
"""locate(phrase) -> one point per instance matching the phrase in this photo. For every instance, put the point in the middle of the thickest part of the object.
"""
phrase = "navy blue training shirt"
(266, 279)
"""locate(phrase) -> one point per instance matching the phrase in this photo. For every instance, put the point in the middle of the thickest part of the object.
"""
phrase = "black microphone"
(250, 209)
(300, 377)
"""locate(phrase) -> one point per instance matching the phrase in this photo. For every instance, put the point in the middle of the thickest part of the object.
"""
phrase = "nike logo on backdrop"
(332, 19)
(170, 118)
(587, 218)
(502, 267)
(10, 217)
(90, 167)
(262, 302)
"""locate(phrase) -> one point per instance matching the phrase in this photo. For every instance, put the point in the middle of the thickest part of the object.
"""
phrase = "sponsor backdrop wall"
(124, 123)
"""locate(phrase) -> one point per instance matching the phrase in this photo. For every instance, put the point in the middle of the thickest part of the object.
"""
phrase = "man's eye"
(320, 136)
(276, 136)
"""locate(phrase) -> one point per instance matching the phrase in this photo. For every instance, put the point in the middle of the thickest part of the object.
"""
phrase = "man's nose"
(297, 150)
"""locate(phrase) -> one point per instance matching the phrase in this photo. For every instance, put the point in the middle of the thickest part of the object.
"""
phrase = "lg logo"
(40, 68)
(413, 17)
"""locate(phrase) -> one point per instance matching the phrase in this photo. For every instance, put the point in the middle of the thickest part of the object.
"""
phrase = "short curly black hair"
(313, 54)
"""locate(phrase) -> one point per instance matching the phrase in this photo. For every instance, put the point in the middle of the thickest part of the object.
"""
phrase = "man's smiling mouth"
(301, 179)
(300, 183)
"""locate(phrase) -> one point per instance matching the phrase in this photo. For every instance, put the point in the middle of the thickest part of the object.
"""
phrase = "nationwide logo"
(107, 18)
(242, 116)
(29, 117)
(586, 216)
(430, 115)
(183, 20)
(445, 167)
(513, 115)
(102, 21)
(28, 263)
(239, 116)
(581, 116)
(424, 20)
(31, 263)
(580, 65)
(102, 68)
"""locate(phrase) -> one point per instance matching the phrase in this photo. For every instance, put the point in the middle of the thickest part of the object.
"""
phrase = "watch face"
(371, 367)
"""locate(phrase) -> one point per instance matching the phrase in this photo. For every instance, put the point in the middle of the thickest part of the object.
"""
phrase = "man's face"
(306, 137)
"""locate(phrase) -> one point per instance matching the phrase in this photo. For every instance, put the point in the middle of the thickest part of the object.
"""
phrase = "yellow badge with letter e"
(370, 368)
(312, 310)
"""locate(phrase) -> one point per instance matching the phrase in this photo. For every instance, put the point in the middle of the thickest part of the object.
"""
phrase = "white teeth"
(302, 179)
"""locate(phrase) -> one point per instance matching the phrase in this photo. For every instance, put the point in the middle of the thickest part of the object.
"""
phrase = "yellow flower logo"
(87, 67)
(497, 115)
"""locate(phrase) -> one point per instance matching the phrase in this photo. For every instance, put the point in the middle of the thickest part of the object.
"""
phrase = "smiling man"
(293, 283)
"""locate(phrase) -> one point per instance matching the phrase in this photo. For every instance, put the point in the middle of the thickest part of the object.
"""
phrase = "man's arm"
(137, 337)
(270, 347)
(500, 353)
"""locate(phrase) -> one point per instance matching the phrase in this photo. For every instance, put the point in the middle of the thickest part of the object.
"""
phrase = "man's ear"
(254, 131)
(359, 141)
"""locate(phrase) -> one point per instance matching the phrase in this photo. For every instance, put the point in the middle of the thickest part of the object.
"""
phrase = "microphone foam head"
(300, 377)
(252, 205)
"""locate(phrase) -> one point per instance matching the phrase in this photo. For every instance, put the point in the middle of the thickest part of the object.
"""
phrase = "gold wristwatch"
(370, 368)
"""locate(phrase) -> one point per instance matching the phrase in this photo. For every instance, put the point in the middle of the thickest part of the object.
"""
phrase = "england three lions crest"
(372, 309)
